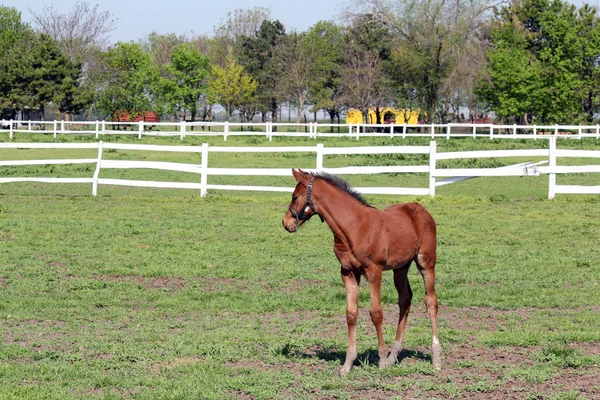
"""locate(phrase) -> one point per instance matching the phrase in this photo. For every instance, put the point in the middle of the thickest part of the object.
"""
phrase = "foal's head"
(301, 208)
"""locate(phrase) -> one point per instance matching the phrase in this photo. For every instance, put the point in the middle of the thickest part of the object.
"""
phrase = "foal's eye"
(294, 198)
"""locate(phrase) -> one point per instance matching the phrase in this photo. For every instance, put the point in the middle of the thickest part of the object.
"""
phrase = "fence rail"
(311, 129)
(203, 169)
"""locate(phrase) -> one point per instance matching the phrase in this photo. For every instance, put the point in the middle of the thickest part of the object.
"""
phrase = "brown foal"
(368, 241)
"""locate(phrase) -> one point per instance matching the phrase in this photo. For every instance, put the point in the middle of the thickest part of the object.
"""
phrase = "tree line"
(525, 61)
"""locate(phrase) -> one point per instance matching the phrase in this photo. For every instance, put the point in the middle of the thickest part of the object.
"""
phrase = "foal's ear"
(300, 176)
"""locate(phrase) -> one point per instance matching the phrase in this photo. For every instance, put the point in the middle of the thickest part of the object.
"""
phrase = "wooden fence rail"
(311, 129)
(203, 169)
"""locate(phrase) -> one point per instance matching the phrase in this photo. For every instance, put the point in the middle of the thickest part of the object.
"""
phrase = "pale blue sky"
(138, 18)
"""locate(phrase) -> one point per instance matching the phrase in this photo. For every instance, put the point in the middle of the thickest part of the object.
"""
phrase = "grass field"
(161, 294)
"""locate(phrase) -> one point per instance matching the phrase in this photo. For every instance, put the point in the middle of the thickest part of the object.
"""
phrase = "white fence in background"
(453, 174)
(311, 129)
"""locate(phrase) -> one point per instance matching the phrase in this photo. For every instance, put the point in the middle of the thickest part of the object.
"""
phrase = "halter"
(300, 215)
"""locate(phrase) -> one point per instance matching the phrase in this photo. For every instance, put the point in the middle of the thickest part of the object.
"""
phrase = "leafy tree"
(255, 54)
(51, 76)
(129, 81)
(34, 72)
(544, 63)
(326, 39)
(185, 85)
(14, 39)
(231, 86)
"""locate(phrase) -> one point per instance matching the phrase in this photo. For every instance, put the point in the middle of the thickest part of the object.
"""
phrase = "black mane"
(342, 184)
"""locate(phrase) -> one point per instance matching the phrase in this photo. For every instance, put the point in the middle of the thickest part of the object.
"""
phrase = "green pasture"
(161, 294)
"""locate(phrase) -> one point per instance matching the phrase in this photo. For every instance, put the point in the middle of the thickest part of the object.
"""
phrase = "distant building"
(390, 116)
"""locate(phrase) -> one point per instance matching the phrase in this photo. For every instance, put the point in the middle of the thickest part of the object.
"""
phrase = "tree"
(326, 40)
(161, 46)
(294, 57)
(544, 63)
(185, 83)
(362, 79)
(51, 77)
(14, 39)
(255, 54)
(78, 32)
(369, 42)
(231, 86)
(431, 36)
(128, 81)
(241, 23)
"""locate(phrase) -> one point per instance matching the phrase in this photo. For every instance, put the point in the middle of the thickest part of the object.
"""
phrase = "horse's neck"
(340, 211)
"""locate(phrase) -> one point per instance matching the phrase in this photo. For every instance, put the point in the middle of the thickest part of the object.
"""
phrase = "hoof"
(344, 370)
(386, 362)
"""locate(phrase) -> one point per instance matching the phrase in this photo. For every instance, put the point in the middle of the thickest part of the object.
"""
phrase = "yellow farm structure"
(389, 116)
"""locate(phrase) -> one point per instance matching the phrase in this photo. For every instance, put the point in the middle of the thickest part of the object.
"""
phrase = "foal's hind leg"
(426, 267)
(404, 300)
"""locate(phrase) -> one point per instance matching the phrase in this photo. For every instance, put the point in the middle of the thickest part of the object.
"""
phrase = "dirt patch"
(147, 282)
(156, 368)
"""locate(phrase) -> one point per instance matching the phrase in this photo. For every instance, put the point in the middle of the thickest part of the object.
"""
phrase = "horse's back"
(414, 212)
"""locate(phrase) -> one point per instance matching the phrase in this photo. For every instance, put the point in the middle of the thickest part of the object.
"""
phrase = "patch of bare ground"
(157, 368)
(3, 282)
(470, 370)
(147, 282)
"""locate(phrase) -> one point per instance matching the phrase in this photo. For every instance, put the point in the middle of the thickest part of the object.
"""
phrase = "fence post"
(404, 131)
(555, 129)
(226, 128)
(140, 129)
(204, 170)
(552, 165)
(432, 131)
(182, 129)
(10, 129)
(597, 131)
(62, 126)
(491, 132)
(319, 156)
(448, 132)
(54, 129)
(392, 130)
(103, 126)
(432, 163)
(97, 171)
(534, 132)
(515, 129)
(358, 131)
(474, 131)
(29, 126)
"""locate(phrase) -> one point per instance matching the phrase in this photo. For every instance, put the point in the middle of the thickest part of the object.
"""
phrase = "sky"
(137, 18)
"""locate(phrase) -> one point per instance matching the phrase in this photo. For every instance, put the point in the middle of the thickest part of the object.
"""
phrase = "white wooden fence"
(311, 129)
(453, 174)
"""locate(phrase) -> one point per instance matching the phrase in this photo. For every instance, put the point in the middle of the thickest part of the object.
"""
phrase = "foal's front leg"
(373, 275)
(351, 284)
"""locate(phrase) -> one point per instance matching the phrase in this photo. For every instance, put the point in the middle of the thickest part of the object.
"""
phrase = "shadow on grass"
(332, 354)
